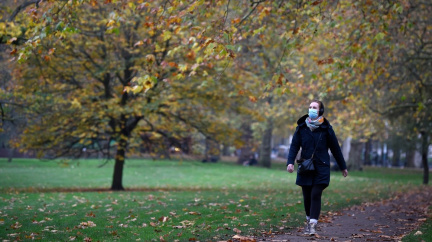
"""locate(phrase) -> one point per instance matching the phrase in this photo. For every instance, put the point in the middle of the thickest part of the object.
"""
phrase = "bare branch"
(255, 5)
(226, 13)
(22, 7)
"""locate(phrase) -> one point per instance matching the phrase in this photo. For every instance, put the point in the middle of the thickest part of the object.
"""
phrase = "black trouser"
(312, 199)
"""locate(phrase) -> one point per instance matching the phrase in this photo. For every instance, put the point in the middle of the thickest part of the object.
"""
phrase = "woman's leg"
(315, 205)
(307, 196)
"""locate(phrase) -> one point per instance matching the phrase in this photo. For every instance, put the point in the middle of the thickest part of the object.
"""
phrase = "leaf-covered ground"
(170, 200)
(387, 220)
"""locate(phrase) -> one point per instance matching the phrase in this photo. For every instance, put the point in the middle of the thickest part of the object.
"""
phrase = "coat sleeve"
(294, 148)
(335, 149)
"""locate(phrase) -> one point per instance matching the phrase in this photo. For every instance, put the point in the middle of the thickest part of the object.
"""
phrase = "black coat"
(306, 139)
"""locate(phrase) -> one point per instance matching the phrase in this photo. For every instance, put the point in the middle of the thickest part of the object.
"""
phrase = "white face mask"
(313, 113)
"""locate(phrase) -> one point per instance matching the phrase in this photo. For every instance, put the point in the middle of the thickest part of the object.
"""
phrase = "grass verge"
(424, 233)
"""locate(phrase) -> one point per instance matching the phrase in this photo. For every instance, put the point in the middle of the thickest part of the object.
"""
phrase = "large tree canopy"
(126, 73)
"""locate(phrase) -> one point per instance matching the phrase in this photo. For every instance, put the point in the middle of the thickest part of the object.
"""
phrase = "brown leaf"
(238, 231)
(280, 79)
(243, 238)
(153, 224)
(13, 51)
(163, 219)
(194, 213)
(16, 225)
(317, 2)
(91, 214)
(325, 61)
(191, 55)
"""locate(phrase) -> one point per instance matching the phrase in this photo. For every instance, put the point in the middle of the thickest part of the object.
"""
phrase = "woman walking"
(315, 136)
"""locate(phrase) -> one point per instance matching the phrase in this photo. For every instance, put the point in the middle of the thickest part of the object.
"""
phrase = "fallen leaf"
(163, 219)
(16, 225)
(153, 224)
(194, 213)
(87, 224)
(418, 233)
(243, 238)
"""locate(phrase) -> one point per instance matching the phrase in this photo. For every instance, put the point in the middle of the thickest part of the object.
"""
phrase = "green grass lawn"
(425, 235)
(169, 200)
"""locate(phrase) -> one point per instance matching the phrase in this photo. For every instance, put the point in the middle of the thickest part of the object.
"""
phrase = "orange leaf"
(13, 51)
(191, 55)
(279, 81)
(139, 43)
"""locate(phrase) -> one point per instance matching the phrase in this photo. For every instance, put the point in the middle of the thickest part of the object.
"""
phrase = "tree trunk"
(355, 159)
(425, 147)
(410, 156)
(246, 150)
(265, 157)
(11, 154)
(367, 159)
(117, 183)
(225, 150)
(396, 156)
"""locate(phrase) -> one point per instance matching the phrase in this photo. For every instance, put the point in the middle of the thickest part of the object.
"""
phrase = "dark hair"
(321, 107)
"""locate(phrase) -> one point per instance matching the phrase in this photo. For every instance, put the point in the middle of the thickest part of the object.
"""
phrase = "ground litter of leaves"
(387, 220)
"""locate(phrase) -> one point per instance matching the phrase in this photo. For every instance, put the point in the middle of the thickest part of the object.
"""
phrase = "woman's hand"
(345, 173)
(290, 168)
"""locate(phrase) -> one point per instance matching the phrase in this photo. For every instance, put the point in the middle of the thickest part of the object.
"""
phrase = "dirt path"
(387, 220)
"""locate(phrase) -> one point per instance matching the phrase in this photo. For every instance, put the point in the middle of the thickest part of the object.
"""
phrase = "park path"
(387, 220)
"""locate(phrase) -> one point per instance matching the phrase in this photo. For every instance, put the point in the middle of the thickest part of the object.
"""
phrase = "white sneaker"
(312, 228)
(307, 228)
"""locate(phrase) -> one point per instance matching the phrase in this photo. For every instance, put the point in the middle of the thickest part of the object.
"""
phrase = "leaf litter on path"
(386, 220)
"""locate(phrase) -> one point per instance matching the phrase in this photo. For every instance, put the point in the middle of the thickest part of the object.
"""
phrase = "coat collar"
(301, 122)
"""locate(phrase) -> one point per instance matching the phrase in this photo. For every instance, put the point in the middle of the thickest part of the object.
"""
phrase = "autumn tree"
(101, 73)
(405, 80)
